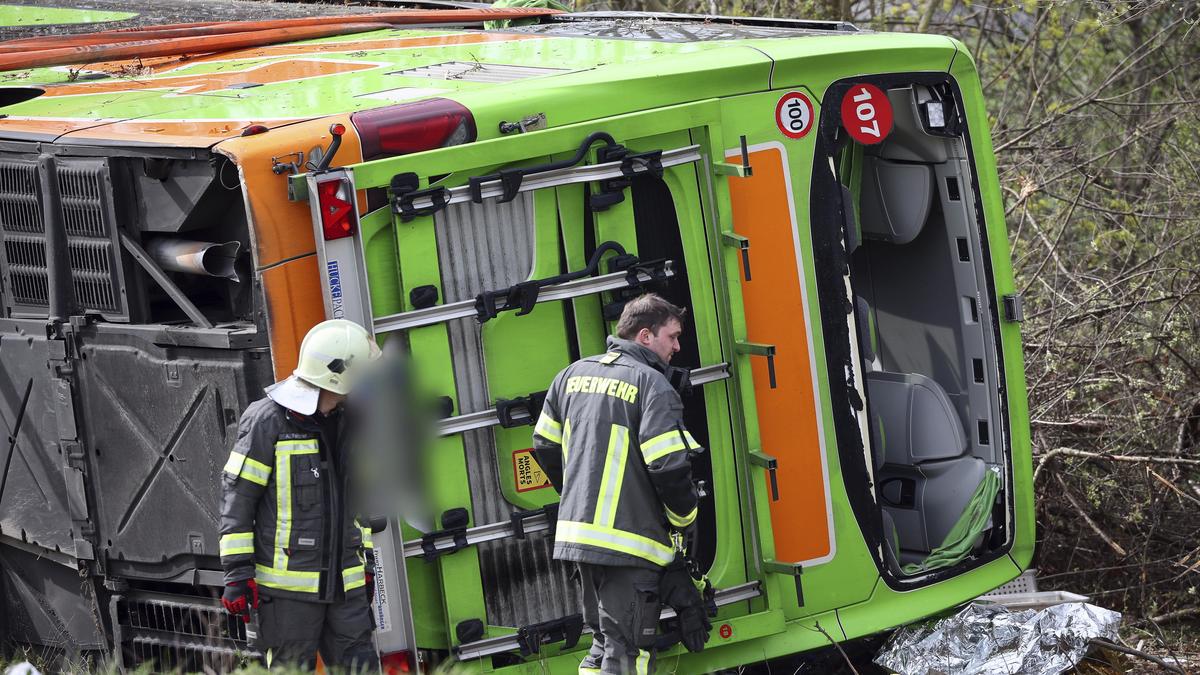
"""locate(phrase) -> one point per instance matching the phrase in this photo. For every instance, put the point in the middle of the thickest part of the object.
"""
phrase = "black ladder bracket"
(405, 190)
(510, 184)
(521, 296)
(681, 379)
(610, 192)
(656, 270)
(530, 404)
(454, 524)
(518, 518)
(566, 630)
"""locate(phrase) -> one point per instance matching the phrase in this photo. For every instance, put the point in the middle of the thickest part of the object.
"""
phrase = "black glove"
(694, 628)
(678, 591)
(370, 577)
(239, 597)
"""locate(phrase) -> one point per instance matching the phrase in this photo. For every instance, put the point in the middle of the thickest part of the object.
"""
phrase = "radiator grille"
(89, 221)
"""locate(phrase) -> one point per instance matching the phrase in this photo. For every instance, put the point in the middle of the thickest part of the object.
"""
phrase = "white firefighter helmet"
(333, 356)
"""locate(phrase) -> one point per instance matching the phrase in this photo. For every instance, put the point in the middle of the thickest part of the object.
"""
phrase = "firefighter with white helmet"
(292, 547)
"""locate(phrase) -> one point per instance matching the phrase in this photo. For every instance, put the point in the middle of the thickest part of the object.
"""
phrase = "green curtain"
(970, 525)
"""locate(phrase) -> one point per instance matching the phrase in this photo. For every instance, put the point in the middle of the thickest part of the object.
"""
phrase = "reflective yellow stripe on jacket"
(681, 521)
(613, 477)
(549, 428)
(613, 539)
(284, 580)
(664, 444)
(284, 451)
(237, 543)
(367, 540)
(566, 442)
(242, 466)
(354, 577)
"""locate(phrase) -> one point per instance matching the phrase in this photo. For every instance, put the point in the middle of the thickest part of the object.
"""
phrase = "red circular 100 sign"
(867, 114)
(794, 114)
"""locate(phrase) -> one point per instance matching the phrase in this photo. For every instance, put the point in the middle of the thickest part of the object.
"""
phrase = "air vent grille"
(21, 226)
(89, 223)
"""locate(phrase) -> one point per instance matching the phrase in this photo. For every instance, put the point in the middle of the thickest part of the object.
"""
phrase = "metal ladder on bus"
(343, 269)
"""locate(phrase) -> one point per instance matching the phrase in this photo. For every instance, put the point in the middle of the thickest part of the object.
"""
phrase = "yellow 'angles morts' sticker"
(527, 472)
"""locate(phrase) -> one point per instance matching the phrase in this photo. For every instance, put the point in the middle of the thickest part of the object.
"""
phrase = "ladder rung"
(478, 535)
(564, 291)
(488, 418)
(508, 643)
(567, 176)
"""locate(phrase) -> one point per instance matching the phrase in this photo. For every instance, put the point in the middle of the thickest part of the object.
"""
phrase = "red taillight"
(413, 127)
(337, 209)
(397, 662)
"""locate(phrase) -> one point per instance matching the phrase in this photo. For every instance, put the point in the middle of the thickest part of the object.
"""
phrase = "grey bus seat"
(941, 491)
(925, 479)
(896, 199)
(918, 420)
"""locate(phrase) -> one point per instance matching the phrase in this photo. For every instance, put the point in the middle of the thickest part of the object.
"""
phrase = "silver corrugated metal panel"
(472, 71)
(482, 247)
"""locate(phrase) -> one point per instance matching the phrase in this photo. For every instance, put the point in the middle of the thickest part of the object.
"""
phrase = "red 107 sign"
(867, 114)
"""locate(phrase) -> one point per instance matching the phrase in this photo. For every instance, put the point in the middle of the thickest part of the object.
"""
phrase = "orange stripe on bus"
(165, 64)
(266, 73)
(775, 311)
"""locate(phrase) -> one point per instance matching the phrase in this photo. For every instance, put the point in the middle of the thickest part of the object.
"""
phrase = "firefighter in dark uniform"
(291, 546)
(612, 441)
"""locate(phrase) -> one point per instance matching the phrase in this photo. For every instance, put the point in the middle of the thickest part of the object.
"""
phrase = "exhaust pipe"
(196, 257)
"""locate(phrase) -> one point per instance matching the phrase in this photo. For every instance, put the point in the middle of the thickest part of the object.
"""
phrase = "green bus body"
(720, 94)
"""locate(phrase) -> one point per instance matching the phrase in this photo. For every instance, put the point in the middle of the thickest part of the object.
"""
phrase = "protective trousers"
(291, 632)
(621, 606)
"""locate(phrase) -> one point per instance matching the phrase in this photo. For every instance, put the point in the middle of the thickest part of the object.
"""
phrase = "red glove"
(239, 597)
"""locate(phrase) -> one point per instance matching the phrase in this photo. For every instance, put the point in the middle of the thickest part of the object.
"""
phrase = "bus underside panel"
(35, 502)
(159, 425)
(42, 603)
(121, 411)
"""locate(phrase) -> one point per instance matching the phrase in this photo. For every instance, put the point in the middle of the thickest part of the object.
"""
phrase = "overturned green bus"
(823, 199)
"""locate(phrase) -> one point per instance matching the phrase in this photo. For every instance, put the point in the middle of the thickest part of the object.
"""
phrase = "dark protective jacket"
(284, 516)
(611, 439)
